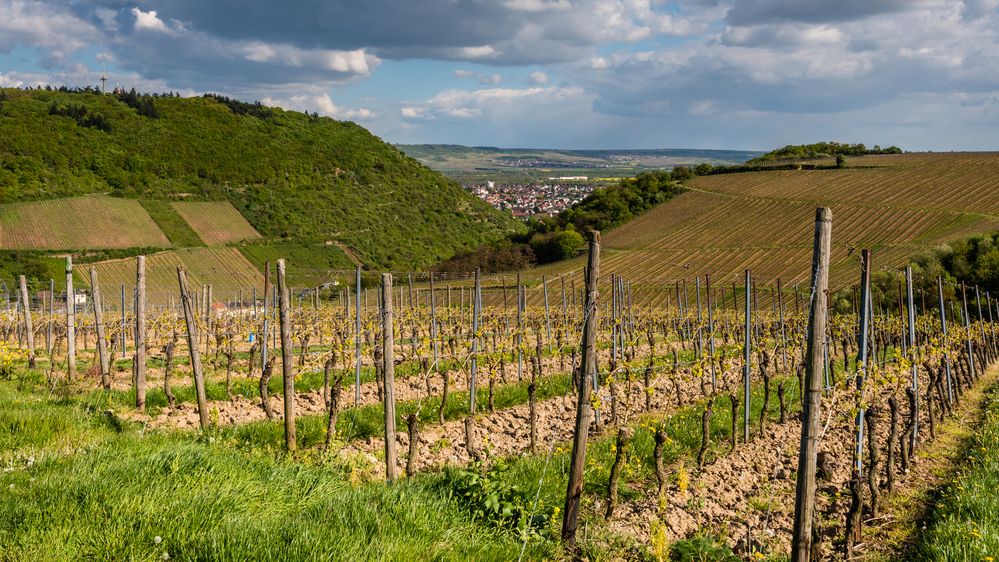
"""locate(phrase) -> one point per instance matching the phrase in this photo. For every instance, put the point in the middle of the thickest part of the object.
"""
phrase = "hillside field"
(293, 177)
(896, 205)
(224, 268)
(216, 223)
(77, 223)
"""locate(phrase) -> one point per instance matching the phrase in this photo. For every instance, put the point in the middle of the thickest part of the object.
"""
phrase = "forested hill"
(822, 150)
(294, 176)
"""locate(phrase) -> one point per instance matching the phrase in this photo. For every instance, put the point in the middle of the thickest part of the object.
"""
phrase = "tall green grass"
(117, 493)
(964, 524)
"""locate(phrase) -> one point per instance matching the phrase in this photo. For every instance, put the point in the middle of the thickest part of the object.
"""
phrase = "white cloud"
(482, 78)
(415, 113)
(149, 20)
(599, 63)
(538, 5)
(320, 103)
(55, 32)
(537, 77)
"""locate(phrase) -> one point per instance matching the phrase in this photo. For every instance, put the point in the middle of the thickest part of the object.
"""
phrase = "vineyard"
(85, 222)
(225, 268)
(675, 421)
(897, 204)
(217, 224)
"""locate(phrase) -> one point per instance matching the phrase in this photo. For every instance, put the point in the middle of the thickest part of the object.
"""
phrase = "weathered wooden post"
(102, 344)
(711, 333)
(548, 319)
(357, 336)
(804, 501)
(747, 359)
(476, 311)
(123, 325)
(192, 347)
(287, 362)
(70, 322)
(584, 411)
(49, 336)
(388, 369)
(29, 330)
(140, 333)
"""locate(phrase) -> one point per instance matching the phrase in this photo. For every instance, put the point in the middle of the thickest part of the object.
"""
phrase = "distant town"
(547, 198)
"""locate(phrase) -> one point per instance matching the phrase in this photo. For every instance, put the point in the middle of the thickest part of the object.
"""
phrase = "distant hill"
(479, 163)
(299, 180)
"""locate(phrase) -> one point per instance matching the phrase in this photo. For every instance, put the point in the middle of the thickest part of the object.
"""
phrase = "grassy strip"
(171, 223)
(118, 494)
(965, 522)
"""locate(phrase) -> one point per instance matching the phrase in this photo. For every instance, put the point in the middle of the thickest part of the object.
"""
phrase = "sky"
(722, 74)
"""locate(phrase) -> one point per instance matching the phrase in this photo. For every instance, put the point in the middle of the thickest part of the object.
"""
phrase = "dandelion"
(157, 539)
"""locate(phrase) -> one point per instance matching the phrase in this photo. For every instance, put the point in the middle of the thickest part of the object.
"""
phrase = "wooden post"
(124, 326)
(747, 358)
(192, 347)
(357, 336)
(711, 333)
(29, 330)
(804, 502)
(140, 333)
(584, 412)
(102, 344)
(265, 329)
(476, 311)
(287, 363)
(388, 370)
(70, 322)
(49, 336)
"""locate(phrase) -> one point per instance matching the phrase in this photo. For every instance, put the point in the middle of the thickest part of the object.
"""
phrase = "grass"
(171, 223)
(964, 524)
(82, 487)
(309, 265)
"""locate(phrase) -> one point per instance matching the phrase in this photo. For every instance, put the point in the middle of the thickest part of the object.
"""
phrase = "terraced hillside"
(224, 268)
(216, 223)
(897, 205)
(294, 177)
(78, 223)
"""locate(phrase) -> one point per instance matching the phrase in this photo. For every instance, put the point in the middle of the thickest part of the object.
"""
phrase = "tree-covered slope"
(293, 176)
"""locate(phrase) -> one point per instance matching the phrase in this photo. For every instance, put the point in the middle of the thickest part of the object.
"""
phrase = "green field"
(216, 223)
(78, 223)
